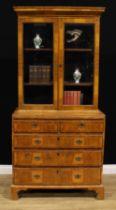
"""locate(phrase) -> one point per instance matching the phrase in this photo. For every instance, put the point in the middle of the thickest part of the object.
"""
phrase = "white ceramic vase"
(77, 75)
(37, 41)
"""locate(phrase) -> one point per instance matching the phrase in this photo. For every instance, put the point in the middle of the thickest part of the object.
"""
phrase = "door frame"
(36, 19)
(79, 20)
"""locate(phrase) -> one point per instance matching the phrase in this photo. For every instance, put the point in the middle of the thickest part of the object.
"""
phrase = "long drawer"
(82, 126)
(58, 126)
(58, 141)
(57, 158)
(57, 176)
(35, 126)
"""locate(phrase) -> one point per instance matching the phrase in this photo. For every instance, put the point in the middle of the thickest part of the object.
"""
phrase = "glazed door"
(37, 63)
(79, 46)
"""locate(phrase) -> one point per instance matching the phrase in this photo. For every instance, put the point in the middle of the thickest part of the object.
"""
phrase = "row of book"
(73, 97)
(39, 73)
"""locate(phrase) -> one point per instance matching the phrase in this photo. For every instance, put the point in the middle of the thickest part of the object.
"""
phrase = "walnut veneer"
(61, 148)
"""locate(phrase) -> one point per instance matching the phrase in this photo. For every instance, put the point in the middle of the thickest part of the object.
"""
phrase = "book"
(39, 73)
(72, 97)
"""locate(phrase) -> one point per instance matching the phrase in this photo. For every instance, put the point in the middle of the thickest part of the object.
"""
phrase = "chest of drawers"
(56, 153)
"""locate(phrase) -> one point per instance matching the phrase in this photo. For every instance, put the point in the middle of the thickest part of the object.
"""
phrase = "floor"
(55, 200)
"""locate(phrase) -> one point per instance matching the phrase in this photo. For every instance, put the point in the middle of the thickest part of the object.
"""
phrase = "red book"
(71, 97)
(66, 97)
(75, 97)
(78, 97)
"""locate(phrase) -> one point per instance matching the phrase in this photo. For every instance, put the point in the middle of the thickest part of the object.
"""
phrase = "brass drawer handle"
(37, 176)
(81, 124)
(78, 158)
(37, 141)
(77, 176)
(58, 154)
(79, 141)
(57, 171)
(37, 158)
(34, 125)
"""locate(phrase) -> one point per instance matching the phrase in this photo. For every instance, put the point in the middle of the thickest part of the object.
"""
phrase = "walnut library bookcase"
(57, 129)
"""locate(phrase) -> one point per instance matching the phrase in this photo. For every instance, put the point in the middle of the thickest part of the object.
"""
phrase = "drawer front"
(81, 141)
(35, 126)
(58, 158)
(54, 141)
(57, 176)
(82, 126)
(35, 141)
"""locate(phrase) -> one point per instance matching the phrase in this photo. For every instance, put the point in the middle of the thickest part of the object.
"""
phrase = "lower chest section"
(58, 152)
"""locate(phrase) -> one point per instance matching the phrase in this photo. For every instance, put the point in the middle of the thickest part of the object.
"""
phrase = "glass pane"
(38, 63)
(78, 64)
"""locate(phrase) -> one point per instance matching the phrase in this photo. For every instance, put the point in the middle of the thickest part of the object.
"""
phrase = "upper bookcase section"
(58, 57)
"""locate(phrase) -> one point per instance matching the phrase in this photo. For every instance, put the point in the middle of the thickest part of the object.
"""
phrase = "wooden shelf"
(79, 49)
(40, 49)
(38, 83)
(83, 84)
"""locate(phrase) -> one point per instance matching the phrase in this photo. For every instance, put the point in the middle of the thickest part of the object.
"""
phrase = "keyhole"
(58, 138)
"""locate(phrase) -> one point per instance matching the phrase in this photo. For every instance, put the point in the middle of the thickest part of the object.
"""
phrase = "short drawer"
(57, 176)
(58, 141)
(81, 141)
(35, 126)
(58, 158)
(35, 141)
(82, 126)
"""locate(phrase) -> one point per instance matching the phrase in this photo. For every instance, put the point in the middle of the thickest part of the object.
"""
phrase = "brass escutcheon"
(37, 158)
(37, 141)
(82, 124)
(78, 141)
(78, 158)
(77, 176)
(34, 124)
(37, 176)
